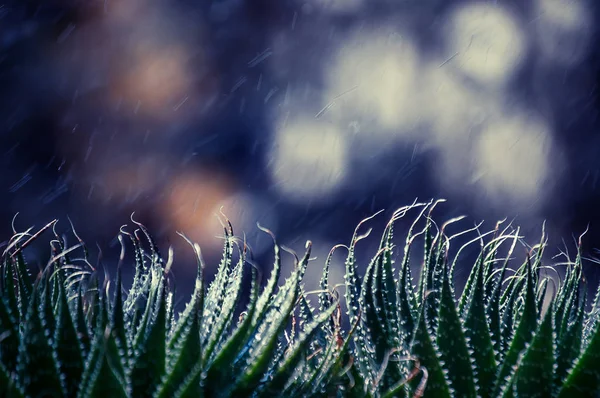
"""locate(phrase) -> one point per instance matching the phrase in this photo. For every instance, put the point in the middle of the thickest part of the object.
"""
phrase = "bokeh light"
(453, 107)
(563, 29)
(374, 79)
(190, 200)
(512, 159)
(146, 57)
(308, 160)
(485, 42)
(156, 81)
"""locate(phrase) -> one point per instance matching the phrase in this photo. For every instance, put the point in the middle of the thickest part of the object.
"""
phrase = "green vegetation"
(69, 333)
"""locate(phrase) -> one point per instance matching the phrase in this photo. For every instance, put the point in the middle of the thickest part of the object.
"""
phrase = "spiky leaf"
(479, 339)
(535, 371)
(523, 334)
(453, 346)
(37, 367)
(422, 348)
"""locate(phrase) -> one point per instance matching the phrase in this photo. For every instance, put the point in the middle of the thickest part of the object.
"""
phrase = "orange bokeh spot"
(189, 205)
(156, 82)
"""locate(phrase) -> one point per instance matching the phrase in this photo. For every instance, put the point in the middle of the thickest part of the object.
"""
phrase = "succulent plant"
(509, 333)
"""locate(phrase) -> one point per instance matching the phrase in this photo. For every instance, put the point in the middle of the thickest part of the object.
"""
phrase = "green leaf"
(305, 314)
(483, 256)
(571, 304)
(541, 294)
(493, 305)
(8, 389)
(510, 314)
(102, 376)
(406, 308)
(491, 255)
(479, 338)
(69, 355)
(9, 291)
(356, 386)
(592, 317)
(37, 368)
(117, 320)
(190, 387)
(426, 270)
(266, 339)
(25, 287)
(149, 358)
(509, 390)
(217, 290)
(535, 371)
(83, 334)
(568, 348)
(313, 381)
(139, 289)
(385, 296)
(294, 355)
(523, 334)
(584, 378)
(406, 295)
(220, 370)
(373, 314)
(47, 313)
(332, 362)
(452, 344)
(467, 294)
(184, 349)
(303, 264)
(565, 296)
(197, 301)
(325, 299)
(220, 323)
(94, 304)
(422, 348)
(353, 302)
(268, 293)
(9, 337)
(513, 285)
(437, 261)
(186, 357)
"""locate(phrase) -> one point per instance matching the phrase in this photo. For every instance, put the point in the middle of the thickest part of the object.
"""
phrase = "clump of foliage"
(509, 333)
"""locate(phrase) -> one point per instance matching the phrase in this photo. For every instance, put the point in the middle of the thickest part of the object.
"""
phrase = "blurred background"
(304, 115)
